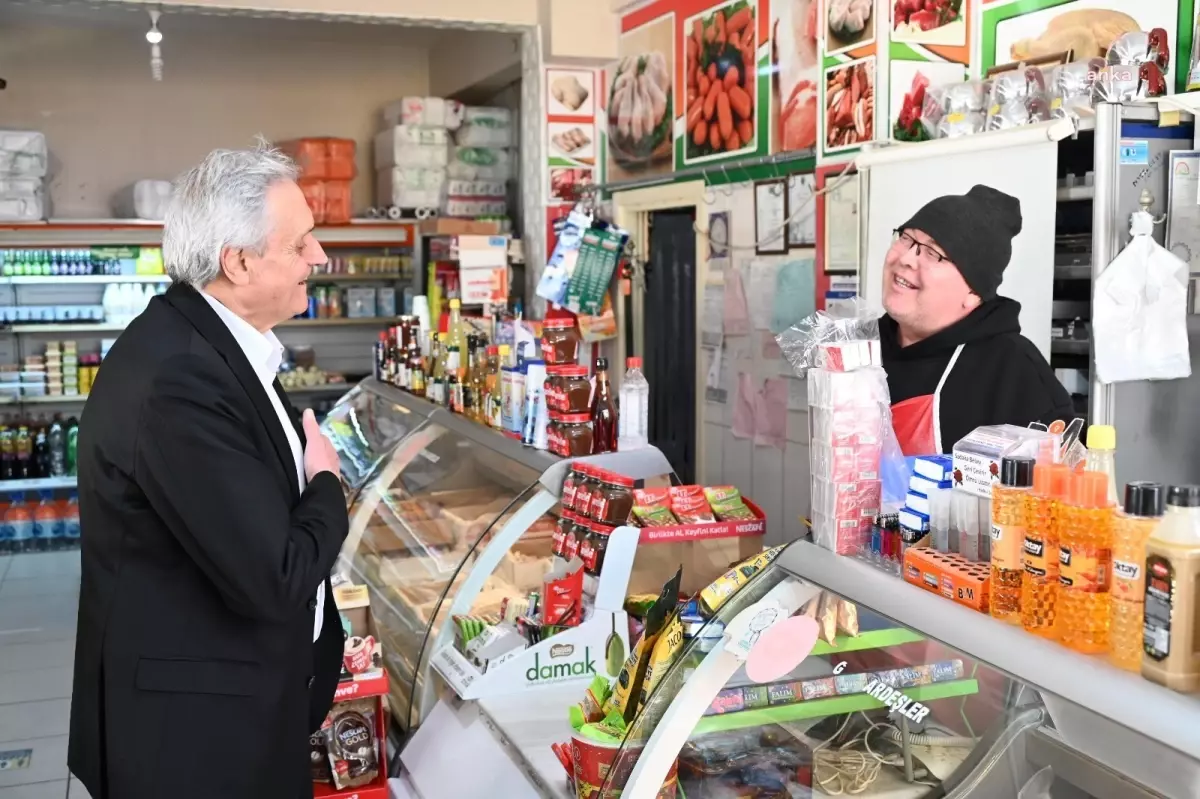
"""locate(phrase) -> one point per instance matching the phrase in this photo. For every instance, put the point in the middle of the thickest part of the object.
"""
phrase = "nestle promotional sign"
(707, 530)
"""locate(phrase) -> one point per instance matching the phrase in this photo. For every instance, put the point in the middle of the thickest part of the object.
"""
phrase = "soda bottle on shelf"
(634, 407)
(1132, 528)
(70, 519)
(1008, 537)
(24, 454)
(57, 440)
(18, 524)
(1039, 585)
(603, 411)
(1084, 563)
(72, 445)
(41, 449)
(47, 525)
(8, 451)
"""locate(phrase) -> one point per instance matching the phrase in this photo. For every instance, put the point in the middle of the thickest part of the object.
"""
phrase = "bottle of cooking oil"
(1172, 636)
(1102, 456)
(1009, 500)
(1143, 509)
(1039, 585)
(1084, 562)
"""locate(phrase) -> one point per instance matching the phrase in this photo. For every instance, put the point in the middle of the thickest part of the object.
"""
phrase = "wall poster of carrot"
(721, 81)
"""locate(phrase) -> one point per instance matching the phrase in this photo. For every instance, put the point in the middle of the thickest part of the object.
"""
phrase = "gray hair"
(219, 203)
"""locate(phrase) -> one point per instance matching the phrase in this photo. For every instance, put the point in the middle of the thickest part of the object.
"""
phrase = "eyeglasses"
(925, 252)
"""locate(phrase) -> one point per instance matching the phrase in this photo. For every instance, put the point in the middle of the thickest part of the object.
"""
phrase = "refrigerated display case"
(447, 517)
(930, 699)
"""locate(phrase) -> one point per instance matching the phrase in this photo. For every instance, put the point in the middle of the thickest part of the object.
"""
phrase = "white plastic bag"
(1139, 312)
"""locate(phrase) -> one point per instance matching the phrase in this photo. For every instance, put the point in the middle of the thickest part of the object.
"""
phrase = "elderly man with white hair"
(208, 646)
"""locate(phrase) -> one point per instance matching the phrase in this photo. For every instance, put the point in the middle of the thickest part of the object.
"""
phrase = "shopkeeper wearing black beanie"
(953, 349)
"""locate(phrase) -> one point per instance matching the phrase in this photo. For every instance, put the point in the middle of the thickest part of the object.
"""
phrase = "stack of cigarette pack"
(848, 400)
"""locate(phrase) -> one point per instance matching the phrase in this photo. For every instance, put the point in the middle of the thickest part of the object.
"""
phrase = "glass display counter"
(929, 699)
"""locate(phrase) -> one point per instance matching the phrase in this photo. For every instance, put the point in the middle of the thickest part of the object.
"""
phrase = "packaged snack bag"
(627, 689)
(727, 504)
(725, 586)
(690, 506)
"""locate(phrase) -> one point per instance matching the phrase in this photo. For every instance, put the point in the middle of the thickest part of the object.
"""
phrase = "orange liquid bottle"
(1132, 528)
(1039, 585)
(1084, 562)
(1008, 537)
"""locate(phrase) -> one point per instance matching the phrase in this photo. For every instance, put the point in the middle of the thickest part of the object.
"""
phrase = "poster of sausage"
(721, 80)
(794, 34)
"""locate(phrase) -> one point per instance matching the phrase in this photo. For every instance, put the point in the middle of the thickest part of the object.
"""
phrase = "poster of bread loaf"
(795, 28)
(1018, 30)
(640, 108)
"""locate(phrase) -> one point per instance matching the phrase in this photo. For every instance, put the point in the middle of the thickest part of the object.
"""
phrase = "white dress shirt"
(265, 354)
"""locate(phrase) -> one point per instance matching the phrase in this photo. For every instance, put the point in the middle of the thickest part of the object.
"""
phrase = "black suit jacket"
(196, 674)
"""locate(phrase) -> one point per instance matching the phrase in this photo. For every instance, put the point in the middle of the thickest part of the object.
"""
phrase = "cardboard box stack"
(327, 166)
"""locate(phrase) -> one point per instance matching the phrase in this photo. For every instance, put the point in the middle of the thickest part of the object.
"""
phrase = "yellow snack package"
(847, 618)
(666, 651)
(827, 618)
(628, 686)
(725, 586)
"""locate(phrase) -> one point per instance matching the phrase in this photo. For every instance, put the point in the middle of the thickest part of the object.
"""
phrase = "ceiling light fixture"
(154, 37)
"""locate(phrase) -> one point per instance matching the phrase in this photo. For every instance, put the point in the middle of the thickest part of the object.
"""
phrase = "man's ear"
(972, 301)
(233, 266)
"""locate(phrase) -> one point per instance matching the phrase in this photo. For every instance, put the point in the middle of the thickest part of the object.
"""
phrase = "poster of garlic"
(641, 102)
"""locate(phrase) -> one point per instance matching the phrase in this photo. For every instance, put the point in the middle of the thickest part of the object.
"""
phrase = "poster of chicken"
(850, 24)
(1014, 30)
(795, 70)
(640, 106)
(721, 81)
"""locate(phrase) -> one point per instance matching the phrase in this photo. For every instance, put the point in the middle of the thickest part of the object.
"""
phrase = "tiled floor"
(38, 598)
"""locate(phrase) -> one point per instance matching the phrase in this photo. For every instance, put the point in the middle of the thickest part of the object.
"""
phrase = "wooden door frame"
(632, 210)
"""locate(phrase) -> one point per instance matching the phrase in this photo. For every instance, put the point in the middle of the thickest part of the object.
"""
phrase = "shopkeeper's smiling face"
(922, 289)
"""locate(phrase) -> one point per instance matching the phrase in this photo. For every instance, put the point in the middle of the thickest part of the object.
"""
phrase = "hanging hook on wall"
(728, 189)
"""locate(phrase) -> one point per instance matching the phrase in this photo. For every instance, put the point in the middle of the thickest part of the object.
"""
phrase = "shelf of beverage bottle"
(38, 484)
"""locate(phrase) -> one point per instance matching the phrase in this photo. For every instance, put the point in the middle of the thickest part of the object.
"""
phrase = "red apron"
(917, 422)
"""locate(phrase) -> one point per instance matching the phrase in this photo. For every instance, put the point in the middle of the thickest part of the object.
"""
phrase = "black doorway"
(669, 311)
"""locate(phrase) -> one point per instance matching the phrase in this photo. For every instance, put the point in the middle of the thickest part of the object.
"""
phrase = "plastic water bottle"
(71, 522)
(47, 525)
(18, 524)
(634, 422)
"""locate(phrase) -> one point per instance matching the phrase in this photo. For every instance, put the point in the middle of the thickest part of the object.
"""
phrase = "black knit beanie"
(975, 230)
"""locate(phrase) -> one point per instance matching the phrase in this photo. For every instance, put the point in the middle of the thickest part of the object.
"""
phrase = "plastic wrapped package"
(483, 189)
(480, 163)
(852, 445)
(966, 97)
(323, 158)
(329, 200)
(406, 145)
(22, 207)
(23, 153)
(1071, 85)
(145, 199)
(484, 126)
(410, 187)
(473, 207)
(427, 112)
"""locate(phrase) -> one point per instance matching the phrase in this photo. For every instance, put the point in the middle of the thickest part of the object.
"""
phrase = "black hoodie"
(999, 377)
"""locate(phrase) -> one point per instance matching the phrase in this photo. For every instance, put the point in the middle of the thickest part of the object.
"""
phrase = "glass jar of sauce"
(583, 490)
(568, 489)
(575, 434)
(565, 522)
(575, 538)
(612, 500)
(560, 341)
(574, 389)
(592, 550)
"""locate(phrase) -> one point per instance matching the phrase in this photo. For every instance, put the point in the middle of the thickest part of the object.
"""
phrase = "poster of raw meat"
(641, 102)
(795, 72)
(910, 80)
(849, 105)
(721, 81)
(1022, 29)
(930, 22)
(849, 24)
